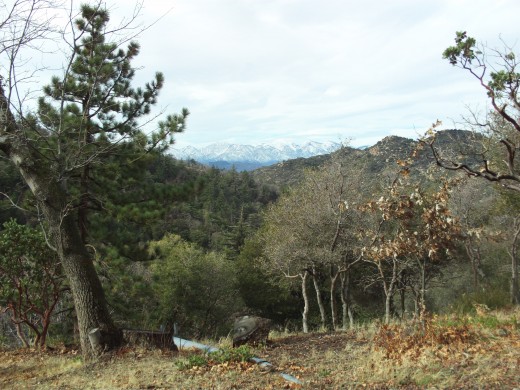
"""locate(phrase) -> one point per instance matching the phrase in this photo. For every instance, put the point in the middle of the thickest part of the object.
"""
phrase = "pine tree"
(88, 117)
(93, 112)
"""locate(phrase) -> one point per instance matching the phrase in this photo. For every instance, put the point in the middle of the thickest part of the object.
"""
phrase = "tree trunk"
(423, 288)
(515, 290)
(388, 308)
(83, 206)
(515, 285)
(333, 309)
(417, 305)
(46, 321)
(305, 313)
(388, 287)
(402, 293)
(321, 306)
(402, 286)
(475, 259)
(21, 335)
(44, 182)
(389, 291)
(345, 301)
(87, 292)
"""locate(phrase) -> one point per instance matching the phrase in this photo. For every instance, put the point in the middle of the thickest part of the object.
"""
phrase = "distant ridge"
(248, 157)
(377, 163)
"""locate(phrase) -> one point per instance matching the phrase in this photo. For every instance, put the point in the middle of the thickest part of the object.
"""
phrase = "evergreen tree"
(92, 114)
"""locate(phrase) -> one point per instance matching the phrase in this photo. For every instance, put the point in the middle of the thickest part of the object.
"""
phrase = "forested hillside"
(394, 228)
(197, 246)
(211, 209)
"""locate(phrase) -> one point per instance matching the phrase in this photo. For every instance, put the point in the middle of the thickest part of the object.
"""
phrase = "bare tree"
(287, 247)
(315, 229)
(473, 204)
(496, 161)
(337, 186)
(497, 72)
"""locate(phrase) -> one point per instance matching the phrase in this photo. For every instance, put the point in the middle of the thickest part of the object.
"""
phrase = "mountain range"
(249, 157)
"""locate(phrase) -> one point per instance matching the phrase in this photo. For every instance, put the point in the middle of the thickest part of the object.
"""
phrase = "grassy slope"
(450, 352)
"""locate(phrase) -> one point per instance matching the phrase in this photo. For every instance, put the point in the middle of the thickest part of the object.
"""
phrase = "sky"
(271, 71)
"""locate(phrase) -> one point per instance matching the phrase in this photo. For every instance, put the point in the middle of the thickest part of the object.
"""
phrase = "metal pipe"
(183, 343)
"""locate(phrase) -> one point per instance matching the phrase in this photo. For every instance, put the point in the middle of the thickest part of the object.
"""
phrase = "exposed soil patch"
(300, 346)
(321, 342)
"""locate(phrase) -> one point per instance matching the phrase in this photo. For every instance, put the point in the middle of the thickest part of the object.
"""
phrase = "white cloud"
(253, 71)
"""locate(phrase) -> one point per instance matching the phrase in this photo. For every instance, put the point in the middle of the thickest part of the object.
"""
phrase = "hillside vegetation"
(220, 218)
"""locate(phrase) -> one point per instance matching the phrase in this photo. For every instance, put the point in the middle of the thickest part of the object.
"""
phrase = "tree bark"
(402, 287)
(21, 335)
(388, 308)
(389, 290)
(346, 304)
(319, 300)
(402, 293)
(514, 284)
(333, 309)
(44, 182)
(475, 259)
(305, 313)
(87, 292)
(422, 265)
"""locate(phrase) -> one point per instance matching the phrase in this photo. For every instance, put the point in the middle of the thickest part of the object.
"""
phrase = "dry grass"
(449, 352)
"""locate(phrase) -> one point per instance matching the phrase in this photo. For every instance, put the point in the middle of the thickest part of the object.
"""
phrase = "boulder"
(250, 330)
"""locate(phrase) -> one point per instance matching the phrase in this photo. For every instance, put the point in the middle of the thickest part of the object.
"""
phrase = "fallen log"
(145, 338)
(102, 340)
(148, 338)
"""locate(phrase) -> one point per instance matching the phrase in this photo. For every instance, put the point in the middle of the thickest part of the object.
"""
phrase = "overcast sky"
(257, 71)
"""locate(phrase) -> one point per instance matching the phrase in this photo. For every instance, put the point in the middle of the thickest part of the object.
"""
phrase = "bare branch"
(13, 203)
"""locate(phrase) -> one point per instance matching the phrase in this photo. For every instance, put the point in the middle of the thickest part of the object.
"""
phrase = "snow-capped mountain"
(226, 155)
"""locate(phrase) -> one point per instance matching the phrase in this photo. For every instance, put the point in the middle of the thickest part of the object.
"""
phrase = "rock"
(250, 330)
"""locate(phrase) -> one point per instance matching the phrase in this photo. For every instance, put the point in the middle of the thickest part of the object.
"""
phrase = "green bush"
(198, 290)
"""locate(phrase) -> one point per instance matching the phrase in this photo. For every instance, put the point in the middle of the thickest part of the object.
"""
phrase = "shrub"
(222, 356)
(494, 297)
